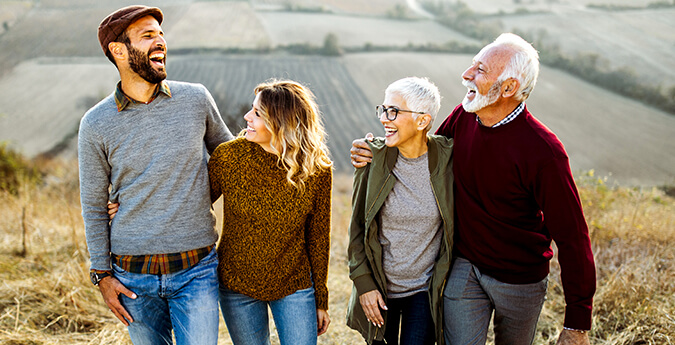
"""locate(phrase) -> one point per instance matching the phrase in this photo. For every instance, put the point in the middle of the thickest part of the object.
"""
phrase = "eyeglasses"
(392, 112)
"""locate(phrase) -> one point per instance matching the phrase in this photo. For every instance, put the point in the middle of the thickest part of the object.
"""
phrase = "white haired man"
(514, 194)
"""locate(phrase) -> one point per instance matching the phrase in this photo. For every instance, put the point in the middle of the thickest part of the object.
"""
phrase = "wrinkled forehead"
(494, 56)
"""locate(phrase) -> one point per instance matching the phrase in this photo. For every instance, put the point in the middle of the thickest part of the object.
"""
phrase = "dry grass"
(46, 298)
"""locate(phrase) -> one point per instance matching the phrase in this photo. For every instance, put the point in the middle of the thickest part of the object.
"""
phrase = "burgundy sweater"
(514, 192)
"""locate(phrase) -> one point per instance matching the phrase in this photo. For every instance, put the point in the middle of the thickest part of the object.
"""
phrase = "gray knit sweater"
(152, 160)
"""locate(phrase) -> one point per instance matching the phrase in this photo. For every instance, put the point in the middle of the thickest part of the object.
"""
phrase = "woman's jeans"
(471, 297)
(185, 301)
(248, 323)
(413, 314)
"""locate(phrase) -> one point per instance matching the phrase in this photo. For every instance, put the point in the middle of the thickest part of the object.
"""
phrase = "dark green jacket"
(372, 184)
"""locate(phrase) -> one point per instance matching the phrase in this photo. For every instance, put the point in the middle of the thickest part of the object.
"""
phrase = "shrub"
(15, 170)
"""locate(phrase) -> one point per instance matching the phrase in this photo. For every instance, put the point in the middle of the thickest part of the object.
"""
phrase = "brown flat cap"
(115, 24)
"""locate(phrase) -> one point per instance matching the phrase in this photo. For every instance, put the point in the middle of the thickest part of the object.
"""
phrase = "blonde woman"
(276, 184)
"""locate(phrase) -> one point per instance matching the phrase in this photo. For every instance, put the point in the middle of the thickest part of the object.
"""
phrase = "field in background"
(46, 297)
(52, 70)
(641, 40)
(613, 135)
(230, 25)
(47, 85)
(497, 6)
(354, 31)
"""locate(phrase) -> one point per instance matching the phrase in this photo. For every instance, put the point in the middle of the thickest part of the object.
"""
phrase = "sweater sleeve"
(559, 200)
(94, 183)
(216, 130)
(359, 269)
(215, 168)
(447, 127)
(318, 237)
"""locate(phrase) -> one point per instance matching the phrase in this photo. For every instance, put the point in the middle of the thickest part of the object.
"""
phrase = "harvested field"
(374, 72)
(642, 40)
(354, 31)
(602, 131)
(42, 103)
(372, 7)
(61, 28)
(231, 80)
(230, 25)
(356, 7)
(11, 12)
(496, 6)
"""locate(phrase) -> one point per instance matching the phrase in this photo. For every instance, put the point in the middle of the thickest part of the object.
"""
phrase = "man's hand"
(110, 289)
(371, 302)
(360, 152)
(570, 337)
(112, 209)
(323, 320)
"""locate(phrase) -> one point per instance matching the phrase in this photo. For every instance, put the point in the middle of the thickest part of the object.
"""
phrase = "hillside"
(48, 78)
(640, 40)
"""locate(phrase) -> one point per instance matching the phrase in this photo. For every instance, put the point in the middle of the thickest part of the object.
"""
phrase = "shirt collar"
(510, 117)
(122, 100)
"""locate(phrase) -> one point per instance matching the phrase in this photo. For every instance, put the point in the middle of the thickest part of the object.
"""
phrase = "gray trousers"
(470, 298)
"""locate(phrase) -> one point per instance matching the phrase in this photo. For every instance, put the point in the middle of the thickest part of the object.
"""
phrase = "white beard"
(480, 101)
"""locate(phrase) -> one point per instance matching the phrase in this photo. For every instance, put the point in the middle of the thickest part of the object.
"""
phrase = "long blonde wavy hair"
(298, 139)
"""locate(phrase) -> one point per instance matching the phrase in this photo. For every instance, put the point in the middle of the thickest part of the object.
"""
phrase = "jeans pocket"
(118, 271)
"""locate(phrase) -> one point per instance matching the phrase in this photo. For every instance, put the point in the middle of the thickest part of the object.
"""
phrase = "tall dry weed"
(46, 296)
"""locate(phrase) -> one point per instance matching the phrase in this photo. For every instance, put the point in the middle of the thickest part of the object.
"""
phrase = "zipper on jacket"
(445, 279)
(380, 192)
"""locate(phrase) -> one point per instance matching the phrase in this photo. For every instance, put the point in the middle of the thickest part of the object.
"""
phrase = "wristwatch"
(97, 276)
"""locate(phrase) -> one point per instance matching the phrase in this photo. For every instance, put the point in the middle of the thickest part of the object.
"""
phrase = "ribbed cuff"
(578, 317)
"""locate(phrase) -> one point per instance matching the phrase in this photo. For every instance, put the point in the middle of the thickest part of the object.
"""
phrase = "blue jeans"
(185, 301)
(413, 314)
(470, 298)
(248, 323)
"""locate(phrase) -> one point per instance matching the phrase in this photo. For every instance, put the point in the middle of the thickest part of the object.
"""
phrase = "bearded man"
(146, 146)
(514, 194)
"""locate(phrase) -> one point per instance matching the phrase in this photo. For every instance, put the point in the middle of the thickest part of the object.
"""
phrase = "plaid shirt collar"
(123, 100)
(508, 118)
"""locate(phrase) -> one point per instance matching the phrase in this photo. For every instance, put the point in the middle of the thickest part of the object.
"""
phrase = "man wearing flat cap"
(146, 146)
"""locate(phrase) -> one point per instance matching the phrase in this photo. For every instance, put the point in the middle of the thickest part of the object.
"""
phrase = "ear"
(510, 87)
(118, 50)
(423, 121)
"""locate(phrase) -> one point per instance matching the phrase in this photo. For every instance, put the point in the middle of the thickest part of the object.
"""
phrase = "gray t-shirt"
(410, 228)
(151, 158)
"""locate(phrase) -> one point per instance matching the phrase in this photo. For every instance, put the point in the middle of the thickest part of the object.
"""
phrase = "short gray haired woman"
(402, 222)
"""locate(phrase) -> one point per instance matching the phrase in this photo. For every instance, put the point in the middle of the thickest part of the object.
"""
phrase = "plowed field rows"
(225, 25)
(354, 31)
(600, 130)
(346, 111)
(60, 28)
(643, 41)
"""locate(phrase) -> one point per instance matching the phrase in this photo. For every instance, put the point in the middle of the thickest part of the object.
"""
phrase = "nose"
(161, 42)
(247, 116)
(383, 117)
(468, 74)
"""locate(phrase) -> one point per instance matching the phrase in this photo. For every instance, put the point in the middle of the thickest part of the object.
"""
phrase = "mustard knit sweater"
(275, 238)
